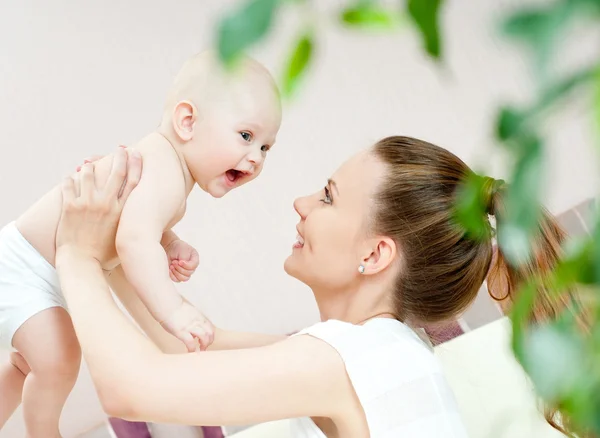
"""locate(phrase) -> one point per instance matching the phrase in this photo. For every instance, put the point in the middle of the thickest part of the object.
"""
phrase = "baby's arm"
(150, 209)
(131, 301)
(168, 237)
(224, 339)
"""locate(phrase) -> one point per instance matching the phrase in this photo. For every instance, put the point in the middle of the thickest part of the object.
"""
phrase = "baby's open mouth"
(234, 175)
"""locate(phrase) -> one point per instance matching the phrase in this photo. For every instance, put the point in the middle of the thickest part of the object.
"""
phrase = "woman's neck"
(354, 306)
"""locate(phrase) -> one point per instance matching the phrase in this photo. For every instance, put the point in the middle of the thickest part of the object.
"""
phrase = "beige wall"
(77, 78)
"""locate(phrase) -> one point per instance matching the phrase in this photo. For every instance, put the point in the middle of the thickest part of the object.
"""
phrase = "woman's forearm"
(233, 340)
(111, 345)
(136, 381)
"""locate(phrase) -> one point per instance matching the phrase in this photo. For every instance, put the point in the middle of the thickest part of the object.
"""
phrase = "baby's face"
(232, 140)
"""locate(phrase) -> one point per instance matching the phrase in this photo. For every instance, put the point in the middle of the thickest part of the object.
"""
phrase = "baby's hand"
(183, 260)
(191, 327)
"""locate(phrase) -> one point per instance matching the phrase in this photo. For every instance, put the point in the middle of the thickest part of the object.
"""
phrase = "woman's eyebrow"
(333, 184)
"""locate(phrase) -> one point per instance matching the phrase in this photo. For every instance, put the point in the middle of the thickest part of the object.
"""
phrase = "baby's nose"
(256, 158)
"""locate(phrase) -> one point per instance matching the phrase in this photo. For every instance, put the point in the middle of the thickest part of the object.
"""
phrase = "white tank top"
(398, 381)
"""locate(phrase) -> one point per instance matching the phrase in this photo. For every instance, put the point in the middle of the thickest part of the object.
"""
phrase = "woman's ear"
(383, 254)
(184, 120)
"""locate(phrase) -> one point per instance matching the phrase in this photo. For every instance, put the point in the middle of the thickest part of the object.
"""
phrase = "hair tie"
(490, 189)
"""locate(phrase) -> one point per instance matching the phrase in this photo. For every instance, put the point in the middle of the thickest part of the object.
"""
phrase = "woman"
(380, 250)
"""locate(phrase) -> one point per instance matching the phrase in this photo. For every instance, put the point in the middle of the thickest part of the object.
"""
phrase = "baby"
(215, 131)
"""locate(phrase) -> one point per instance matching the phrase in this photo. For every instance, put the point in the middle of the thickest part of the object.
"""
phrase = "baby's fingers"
(178, 275)
(186, 272)
(189, 341)
(204, 337)
(188, 264)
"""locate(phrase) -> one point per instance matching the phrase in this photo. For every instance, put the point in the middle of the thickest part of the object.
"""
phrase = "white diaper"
(28, 283)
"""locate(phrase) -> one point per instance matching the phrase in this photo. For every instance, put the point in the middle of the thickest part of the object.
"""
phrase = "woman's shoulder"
(395, 375)
(380, 331)
(380, 339)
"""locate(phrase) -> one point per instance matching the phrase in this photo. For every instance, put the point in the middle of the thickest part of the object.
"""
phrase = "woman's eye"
(327, 199)
(246, 136)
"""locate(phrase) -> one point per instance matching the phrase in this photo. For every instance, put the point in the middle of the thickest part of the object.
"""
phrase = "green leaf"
(425, 14)
(519, 222)
(519, 315)
(470, 208)
(509, 123)
(595, 338)
(369, 15)
(597, 101)
(560, 88)
(515, 243)
(577, 265)
(587, 7)
(523, 195)
(561, 363)
(594, 260)
(554, 358)
(512, 122)
(581, 263)
(570, 271)
(243, 27)
(298, 63)
(526, 23)
(540, 28)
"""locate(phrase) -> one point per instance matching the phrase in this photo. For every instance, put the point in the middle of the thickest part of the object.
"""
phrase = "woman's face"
(334, 226)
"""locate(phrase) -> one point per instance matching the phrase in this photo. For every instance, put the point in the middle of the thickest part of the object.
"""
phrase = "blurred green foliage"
(562, 361)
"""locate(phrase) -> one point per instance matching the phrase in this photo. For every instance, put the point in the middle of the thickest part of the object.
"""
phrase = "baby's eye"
(265, 148)
(246, 136)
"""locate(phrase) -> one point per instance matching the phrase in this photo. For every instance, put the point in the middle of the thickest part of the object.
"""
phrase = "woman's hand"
(183, 258)
(90, 214)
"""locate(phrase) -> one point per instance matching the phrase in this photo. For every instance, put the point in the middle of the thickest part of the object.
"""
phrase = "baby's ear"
(184, 120)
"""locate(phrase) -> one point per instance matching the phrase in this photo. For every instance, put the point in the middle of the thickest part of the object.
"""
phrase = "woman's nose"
(301, 205)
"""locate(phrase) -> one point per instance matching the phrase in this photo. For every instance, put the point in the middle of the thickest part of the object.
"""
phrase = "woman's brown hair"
(443, 267)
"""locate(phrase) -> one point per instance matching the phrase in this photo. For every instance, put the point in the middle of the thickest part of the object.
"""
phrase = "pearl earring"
(361, 269)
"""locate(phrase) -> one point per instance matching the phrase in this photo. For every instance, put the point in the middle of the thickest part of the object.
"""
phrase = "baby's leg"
(12, 377)
(48, 343)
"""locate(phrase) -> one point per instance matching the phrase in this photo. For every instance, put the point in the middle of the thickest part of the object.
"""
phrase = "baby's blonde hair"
(203, 78)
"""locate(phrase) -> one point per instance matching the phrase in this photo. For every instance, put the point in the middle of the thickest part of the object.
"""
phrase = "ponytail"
(443, 266)
(504, 280)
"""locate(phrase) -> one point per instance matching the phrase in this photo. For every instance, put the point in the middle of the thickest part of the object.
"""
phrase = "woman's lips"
(299, 242)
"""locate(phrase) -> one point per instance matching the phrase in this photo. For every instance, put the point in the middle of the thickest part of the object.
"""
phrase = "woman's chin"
(290, 267)
(295, 266)
(299, 272)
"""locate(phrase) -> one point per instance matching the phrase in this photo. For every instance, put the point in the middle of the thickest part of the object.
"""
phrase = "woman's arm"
(301, 376)
(297, 377)
(224, 339)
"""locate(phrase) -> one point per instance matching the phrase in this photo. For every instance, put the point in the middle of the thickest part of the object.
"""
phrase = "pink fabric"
(212, 432)
(129, 429)
(443, 332)
(133, 429)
